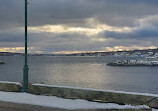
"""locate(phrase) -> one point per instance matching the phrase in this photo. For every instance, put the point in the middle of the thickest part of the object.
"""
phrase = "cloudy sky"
(70, 26)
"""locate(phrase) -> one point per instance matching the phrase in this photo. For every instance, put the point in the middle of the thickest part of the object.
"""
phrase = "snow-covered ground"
(55, 102)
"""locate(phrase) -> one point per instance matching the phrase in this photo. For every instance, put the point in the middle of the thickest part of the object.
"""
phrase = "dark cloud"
(147, 28)
(111, 12)
(138, 33)
(74, 12)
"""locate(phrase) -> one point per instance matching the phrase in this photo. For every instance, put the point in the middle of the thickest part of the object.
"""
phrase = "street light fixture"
(25, 69)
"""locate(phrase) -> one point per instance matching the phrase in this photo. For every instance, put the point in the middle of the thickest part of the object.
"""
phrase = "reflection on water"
(87, 72)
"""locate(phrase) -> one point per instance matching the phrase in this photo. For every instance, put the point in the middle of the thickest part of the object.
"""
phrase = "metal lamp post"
(25, 69)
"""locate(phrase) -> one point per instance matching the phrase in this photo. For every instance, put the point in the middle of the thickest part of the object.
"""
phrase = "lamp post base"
(25, 79)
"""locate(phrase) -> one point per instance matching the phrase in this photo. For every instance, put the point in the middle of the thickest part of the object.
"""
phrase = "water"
(86, 72)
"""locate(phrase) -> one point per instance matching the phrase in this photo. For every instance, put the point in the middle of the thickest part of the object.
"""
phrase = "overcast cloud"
(62, 26)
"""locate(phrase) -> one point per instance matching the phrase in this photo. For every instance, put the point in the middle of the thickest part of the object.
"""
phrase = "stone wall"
(94, 95)
(10, 86)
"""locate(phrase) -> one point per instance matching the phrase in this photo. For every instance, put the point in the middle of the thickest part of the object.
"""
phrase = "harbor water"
(85, 72)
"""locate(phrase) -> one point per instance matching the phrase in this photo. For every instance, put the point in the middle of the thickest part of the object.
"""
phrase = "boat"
(2, 62)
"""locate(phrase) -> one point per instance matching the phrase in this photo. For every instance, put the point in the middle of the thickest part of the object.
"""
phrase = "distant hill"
(10, 54)
(145, 51)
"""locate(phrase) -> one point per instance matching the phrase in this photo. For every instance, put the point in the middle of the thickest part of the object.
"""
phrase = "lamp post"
(25, 69)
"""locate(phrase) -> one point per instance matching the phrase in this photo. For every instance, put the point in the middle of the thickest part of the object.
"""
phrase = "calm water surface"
(86, 72)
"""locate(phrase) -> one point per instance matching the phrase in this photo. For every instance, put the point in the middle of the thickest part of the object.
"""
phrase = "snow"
(154, 109)
(55, 102)
(112, 91)
(7, 82)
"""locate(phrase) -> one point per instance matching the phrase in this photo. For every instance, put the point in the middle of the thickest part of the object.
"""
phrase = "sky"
(73, 26)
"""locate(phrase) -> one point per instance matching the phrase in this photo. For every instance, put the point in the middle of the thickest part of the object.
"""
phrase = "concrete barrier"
(95, 95)
(10, 86)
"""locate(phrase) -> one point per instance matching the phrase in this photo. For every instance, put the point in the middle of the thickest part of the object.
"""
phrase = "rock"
(153, 103)
(2, 62)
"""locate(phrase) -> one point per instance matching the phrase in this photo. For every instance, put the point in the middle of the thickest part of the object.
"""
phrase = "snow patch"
(112, 91)
(7, 82)
(154, 109)
(55, 102)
